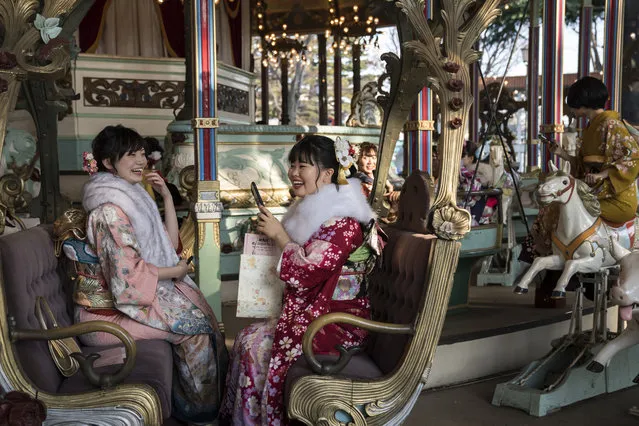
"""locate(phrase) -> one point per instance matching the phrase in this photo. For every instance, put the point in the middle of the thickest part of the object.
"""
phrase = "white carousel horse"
(625, 294)
(581, 240)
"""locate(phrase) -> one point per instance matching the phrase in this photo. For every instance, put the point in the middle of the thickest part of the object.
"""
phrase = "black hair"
(113, 142)
(152, 144)
(469, 150)
(587, 92)
(316, 149)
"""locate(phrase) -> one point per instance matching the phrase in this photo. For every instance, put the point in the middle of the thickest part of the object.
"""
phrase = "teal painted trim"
(325, 130)
(230, 263)
(70, 153)
(480, 238)
(85, 57)
(129, 72)
(82, 138)
(167, 117)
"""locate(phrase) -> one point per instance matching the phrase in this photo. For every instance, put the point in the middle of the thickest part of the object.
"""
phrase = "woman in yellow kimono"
(608, 161)
(609, 157)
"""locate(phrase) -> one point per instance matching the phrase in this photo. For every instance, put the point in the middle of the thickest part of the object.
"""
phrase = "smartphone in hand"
(256, 195)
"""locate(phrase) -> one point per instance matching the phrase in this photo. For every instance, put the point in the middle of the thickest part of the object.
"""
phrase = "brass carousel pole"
(533, 86)
(585, 38)
(613, 52)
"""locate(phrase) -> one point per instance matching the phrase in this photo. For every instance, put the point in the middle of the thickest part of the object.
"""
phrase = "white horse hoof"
(557, 294)
(520, 290)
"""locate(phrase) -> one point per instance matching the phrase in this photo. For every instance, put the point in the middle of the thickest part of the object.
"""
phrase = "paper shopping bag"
(260, 289)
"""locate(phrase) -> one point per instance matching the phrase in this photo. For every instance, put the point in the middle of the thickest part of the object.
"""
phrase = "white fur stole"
(306, 215)
(155, 246)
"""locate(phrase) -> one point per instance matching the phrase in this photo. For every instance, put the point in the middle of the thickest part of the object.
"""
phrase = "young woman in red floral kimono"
(317, 236)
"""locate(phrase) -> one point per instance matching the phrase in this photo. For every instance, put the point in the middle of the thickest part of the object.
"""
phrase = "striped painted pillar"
(613, 52)
(552, 76)
(418, 130)
(208, 207)
(533, 85)
(585, 38)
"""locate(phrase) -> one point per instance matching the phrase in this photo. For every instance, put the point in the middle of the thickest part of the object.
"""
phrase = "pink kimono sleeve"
(304, 267)
(131, 279)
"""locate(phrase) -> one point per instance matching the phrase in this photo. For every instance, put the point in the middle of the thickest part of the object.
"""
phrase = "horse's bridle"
(570, 187)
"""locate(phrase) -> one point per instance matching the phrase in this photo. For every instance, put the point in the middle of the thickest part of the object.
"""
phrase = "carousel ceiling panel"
(312, 16)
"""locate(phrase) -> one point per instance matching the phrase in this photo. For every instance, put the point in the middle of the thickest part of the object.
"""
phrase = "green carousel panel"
(479, 242)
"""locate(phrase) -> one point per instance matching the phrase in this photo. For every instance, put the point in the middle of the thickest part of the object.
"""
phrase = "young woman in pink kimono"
(317, 237)
(143, 285)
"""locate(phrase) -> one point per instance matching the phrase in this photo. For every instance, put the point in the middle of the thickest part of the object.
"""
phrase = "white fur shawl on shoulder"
(306, 215)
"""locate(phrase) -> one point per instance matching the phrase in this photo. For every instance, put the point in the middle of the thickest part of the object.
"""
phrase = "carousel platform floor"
(470, 405)
(493, 314)
(493, 310)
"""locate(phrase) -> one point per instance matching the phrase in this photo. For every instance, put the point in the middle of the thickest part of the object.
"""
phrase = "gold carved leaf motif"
(16, 15)
(451, 223)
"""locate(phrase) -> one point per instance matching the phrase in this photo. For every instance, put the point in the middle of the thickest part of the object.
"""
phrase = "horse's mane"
(591, 203)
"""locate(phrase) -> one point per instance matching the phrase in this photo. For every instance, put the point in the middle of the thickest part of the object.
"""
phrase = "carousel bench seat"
(408, 294)
(142, 392)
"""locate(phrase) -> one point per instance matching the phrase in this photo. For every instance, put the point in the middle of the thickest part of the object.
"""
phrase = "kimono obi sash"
(90, 289)
(351, 283)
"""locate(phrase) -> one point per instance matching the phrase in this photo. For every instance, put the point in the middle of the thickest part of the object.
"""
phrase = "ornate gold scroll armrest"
(103, 380)
(345, 354)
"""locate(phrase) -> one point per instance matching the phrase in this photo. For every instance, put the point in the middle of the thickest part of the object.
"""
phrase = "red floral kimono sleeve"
(131, 279)
(306, 266)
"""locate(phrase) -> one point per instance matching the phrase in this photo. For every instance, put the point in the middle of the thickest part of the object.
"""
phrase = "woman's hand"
(158, 184)
(175, 273)
(182, 268)
(268, 225)
(592, 178)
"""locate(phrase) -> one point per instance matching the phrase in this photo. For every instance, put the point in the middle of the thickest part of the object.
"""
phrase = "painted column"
(337, 81)
(285, 119)
(208, 207)
(357, 74)
(418, 130)
(553, 75)
(585, 38)
(612, 51)
(264, 78)
(323, 87)
(533, 86)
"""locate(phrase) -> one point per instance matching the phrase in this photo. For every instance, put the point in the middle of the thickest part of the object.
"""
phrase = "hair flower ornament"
(346, 156)
(89, 164)
(49, 27)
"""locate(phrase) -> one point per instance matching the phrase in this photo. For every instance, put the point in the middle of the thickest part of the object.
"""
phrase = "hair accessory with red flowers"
(89, 164)
(346, 156)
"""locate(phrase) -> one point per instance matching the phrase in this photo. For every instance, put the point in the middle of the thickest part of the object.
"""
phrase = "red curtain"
(172, 13)
(91, 26)
(235, 22)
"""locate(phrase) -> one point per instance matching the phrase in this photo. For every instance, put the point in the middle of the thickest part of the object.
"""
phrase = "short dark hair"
(113, 142)
(469, 150)
(366, 147)
(587, 92)
(316, 149)
(153, 144)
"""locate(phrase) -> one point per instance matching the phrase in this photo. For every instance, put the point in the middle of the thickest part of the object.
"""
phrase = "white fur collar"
(306, 216)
